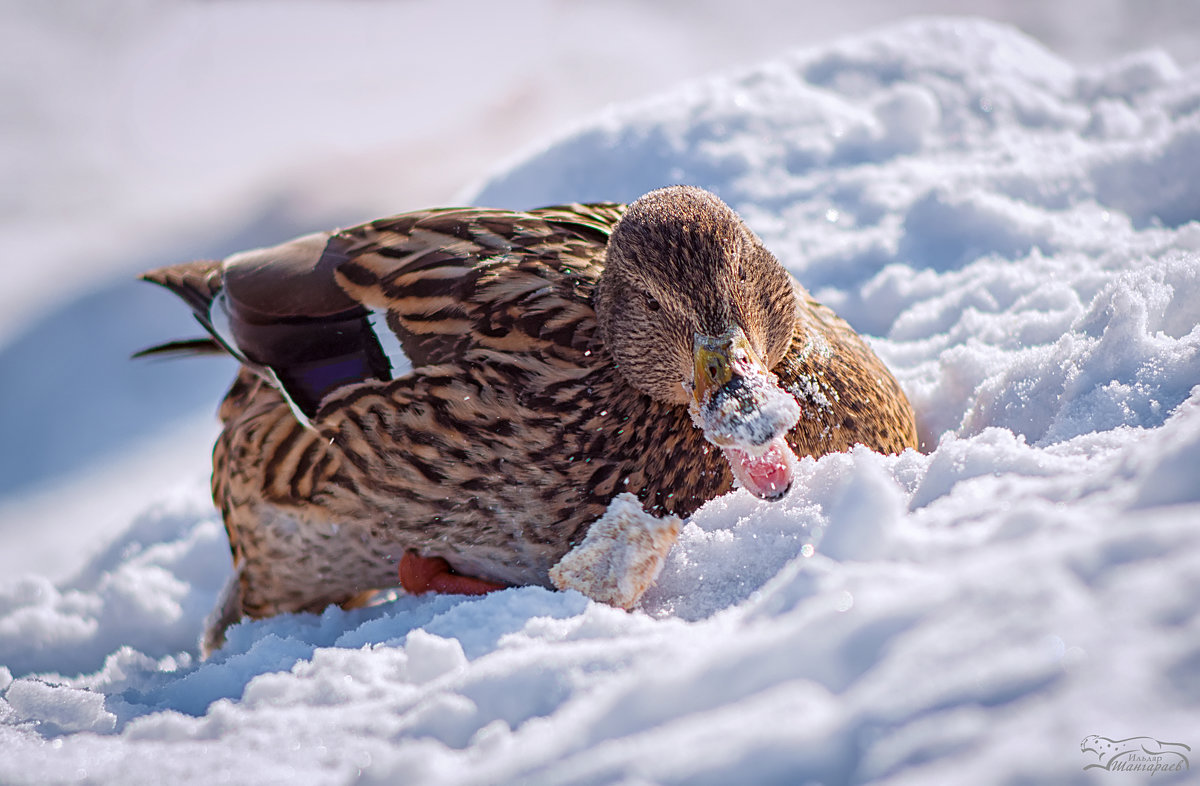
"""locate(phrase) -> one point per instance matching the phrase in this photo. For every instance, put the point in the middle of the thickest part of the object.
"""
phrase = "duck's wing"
(281, 313)
(324, 311)
(489, 283)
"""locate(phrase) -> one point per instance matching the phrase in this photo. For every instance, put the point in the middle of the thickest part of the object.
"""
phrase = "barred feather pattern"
(513, 432)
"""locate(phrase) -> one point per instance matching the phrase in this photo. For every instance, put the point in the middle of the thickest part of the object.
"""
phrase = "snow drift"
(1020, 239)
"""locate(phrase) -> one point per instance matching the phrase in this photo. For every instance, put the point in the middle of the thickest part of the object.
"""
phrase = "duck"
(449, 400)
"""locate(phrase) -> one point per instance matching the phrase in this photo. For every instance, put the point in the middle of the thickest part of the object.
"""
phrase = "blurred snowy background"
(1011, 216)
(138, 133)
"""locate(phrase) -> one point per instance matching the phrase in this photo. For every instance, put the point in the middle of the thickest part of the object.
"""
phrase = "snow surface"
(146, 132)
(1020, 237)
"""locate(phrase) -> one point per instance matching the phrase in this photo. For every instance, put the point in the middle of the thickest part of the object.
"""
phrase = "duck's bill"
(740, 407)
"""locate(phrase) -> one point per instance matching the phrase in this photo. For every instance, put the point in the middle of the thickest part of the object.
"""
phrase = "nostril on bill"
(714, 370)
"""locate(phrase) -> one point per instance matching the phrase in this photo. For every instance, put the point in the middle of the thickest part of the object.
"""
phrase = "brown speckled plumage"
(517, 426)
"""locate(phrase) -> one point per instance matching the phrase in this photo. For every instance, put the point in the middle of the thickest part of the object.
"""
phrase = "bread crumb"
(621, 556)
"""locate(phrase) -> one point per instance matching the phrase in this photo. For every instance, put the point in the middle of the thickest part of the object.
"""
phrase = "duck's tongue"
(748, 418)
(767, 475)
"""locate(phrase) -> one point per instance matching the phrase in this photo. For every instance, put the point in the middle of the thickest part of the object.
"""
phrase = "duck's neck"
(645, 447)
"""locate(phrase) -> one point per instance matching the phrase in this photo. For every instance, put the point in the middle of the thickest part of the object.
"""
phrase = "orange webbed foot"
(419, 575)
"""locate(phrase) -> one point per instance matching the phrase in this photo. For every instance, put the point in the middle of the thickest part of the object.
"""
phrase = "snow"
(1018, 236)
(720, 413)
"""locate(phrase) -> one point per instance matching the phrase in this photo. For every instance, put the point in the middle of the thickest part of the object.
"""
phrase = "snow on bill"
(1020, 239)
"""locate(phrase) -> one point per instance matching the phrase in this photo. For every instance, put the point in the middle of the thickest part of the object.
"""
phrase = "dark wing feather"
(305, 355)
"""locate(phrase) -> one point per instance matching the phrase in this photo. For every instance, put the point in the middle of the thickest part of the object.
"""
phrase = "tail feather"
(183, 347)
(197, 283)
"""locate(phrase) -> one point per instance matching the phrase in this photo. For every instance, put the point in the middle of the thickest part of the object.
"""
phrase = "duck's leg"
(621, 555)
(419, 575)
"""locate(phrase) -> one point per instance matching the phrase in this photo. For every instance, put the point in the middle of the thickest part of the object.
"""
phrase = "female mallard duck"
(559, 358)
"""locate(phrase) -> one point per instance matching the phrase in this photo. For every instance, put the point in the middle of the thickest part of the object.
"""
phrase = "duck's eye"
(652, 304)
(742, 272)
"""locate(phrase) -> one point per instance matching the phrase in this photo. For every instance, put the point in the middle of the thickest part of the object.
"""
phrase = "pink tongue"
(767, 475)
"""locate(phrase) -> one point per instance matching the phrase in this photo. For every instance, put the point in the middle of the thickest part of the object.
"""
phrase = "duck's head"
(696, 312)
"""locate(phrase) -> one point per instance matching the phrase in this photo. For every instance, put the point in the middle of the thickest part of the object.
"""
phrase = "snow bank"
(1020, 237)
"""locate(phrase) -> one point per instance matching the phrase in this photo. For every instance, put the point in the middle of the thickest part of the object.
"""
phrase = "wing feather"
(458, 280)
